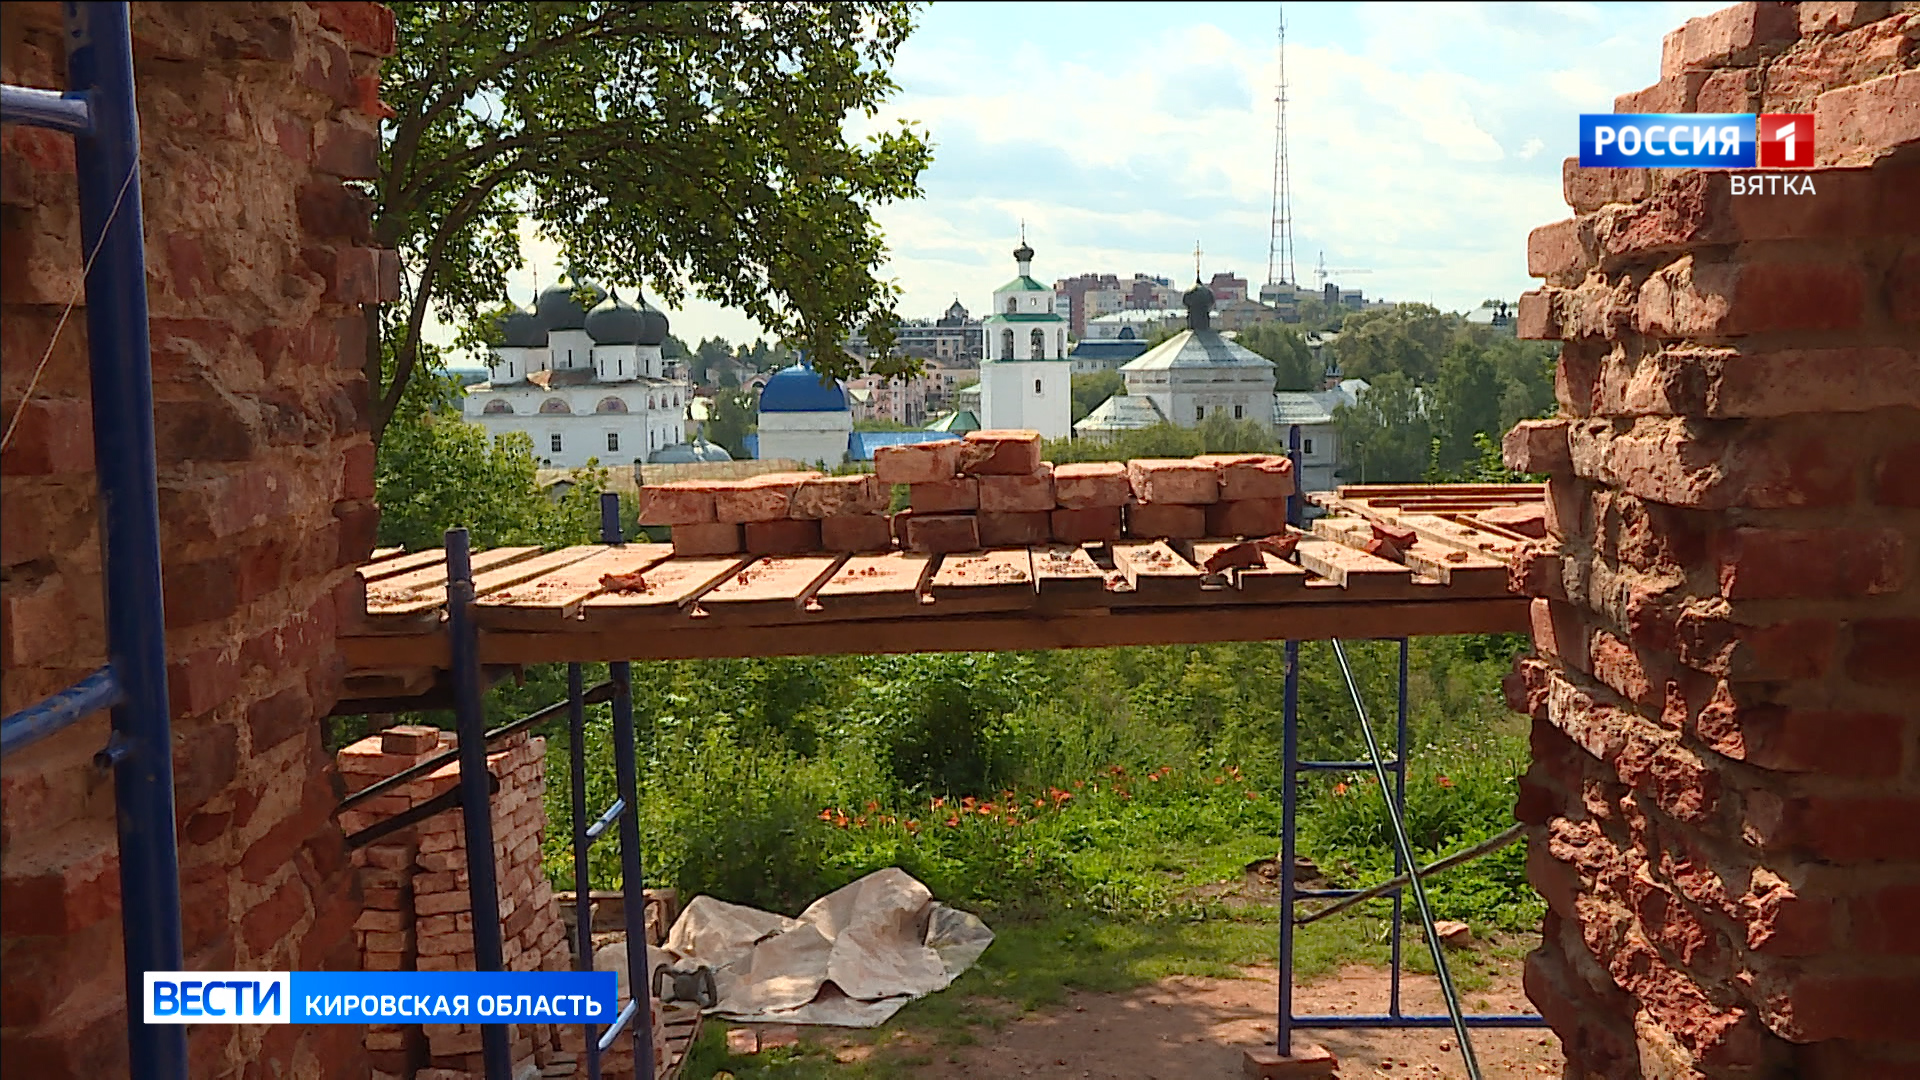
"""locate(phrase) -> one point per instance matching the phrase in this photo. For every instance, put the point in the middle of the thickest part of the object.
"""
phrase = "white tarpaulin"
(852, 959)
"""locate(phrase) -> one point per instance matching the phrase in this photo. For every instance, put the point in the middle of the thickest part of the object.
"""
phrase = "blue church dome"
(798, 389)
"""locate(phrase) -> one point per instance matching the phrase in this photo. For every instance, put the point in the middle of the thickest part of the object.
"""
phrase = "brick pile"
(418, 911)
(990, 489)
(1726, 778)
(254, 120)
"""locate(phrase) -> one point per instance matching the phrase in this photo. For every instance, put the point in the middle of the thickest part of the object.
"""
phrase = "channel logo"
(359, 997)
(1696, 140)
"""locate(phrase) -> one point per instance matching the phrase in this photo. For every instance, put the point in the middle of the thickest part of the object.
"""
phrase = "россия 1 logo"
(1696, 140)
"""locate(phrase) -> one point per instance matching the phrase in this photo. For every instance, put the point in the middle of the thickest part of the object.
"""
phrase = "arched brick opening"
(1724, 805)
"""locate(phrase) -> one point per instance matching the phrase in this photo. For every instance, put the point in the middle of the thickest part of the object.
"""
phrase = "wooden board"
(1158, 574)
(874, 586)
(774, 589)
(401, 564)
(1467, 537)
(672, 588)
(999, 580)
(1068, 577)
(384, 553)
(681, 1022)
(552, 599)
(1468, 573)
(1358, 574)
(396, 592)
(1275, 579)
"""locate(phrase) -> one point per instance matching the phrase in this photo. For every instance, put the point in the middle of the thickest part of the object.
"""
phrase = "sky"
(1425, 142)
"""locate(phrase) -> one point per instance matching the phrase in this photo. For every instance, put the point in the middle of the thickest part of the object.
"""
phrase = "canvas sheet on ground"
(852, 959)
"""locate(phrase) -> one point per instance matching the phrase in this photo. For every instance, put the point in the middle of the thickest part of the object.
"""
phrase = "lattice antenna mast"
(1280, 241)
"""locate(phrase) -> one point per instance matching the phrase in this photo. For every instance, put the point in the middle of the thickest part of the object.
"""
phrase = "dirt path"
(1186, 1028)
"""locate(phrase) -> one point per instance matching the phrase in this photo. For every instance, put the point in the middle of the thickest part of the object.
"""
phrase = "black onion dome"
(1199, 301)
(653, 325)
(520, 330)
(615, 322)
(1023, 253)
(558, 310)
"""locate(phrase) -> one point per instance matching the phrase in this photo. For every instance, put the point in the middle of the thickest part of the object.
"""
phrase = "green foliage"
(735, 415)
(667, 145)
(1294, 367)
(1090, 390)
(1215, 435)
(1407, 338)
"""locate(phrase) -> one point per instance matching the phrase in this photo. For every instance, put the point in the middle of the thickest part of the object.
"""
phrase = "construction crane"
(1323, 273)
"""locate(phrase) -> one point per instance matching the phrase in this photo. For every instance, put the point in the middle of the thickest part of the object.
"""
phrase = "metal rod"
(632, 880)
(1319, 894)
(582, 843)
(112, 222)
(600, 824)
(56, 713)
(1399, 767)
(1289, 805)
(68, 112)
(1339, 766)
(476, 808)
(1405, 847)
(598, 693)
(1378, 1020)
(1359, 896)
(613, 1032)
(413, 815)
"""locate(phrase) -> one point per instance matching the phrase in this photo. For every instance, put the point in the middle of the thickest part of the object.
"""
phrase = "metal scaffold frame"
(100, 112)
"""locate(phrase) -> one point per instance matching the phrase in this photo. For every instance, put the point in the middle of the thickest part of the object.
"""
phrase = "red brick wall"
(1725, 798)
(252, 114)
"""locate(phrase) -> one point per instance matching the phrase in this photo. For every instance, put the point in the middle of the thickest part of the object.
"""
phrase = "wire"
(1394, 817)
(99, 242)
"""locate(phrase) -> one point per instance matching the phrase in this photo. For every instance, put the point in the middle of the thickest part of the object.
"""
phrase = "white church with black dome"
(583, 376)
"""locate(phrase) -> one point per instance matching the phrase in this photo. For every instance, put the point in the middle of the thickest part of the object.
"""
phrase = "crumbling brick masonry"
(252, 115)
(1725, 798)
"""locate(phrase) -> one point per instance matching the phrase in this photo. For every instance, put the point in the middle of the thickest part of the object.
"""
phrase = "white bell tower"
(1026, 378)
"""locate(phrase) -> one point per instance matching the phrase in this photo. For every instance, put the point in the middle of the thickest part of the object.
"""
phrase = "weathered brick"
(1000, 453)
(1587, 190)
(1175, 481)
(1781, 563)
(1168, 521)
(1091, 524)
(1031, 493)
(940, 533)
(1852, 1006)
(1735, 35)
(1536, 446)
(1833, 16)
(1558, 252)
(711, 538)
(917, 463)
(1887, 920)
(682, 502)
(1091, 484)
(836, 496)
(1802, 740)
(1885, 652)
(1251, 476)
(1247, 517)
(962, 493)
(1534, 317)
(762, 498)
(1896, 476)
(50, 436)
(787, 537)
(1858, 123)
(1691, 299)
(1013, 529)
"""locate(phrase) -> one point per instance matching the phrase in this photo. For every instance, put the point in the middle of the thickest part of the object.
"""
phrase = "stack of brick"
(990, 489)
(418, 910)
(264, 114)
(1726, 773)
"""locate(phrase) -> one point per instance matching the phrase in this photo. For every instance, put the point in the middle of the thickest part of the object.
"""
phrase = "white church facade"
(1026, 377)
(582, 375)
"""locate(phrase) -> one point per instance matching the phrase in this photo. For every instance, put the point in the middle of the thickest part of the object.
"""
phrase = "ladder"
(99, 111)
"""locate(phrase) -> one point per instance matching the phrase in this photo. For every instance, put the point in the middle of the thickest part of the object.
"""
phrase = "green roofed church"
(1026, 377)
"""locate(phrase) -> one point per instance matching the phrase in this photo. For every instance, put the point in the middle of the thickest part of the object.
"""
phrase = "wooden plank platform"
(595, 602)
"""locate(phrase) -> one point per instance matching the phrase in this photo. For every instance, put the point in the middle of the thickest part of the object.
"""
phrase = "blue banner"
(1668, 140)
(359, 997)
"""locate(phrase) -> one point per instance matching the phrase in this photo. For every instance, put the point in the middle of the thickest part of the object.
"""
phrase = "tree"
(1408, 338)
(1466, 405)
(1089, 391)
(1386, 437)
(660, 144)
(1294, 367)
(709, 352)
(674, 349)
(735, 415)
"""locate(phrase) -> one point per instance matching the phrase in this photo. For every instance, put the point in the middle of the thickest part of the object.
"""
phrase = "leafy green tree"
(709, 352)
(1091, 390)
(1294, 367)
(1387, 437)
(1407, 338)
(660, 144)
(735, 415)
(1316, 314)
(674, 349)
(1466, 404)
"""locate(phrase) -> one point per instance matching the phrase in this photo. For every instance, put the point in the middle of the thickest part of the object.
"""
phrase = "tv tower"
(1280, 241)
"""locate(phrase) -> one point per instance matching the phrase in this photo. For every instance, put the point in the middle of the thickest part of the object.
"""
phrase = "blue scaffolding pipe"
(632, 881)
(476, 808)
(101, 112)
